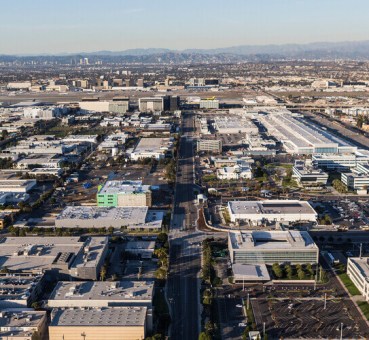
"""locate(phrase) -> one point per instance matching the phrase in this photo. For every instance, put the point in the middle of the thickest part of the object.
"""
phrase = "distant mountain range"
(355, 50)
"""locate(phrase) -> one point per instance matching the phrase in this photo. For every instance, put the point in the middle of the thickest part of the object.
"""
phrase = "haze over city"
(72, 26)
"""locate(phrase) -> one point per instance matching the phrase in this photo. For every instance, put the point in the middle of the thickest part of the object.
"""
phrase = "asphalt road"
(183, 287)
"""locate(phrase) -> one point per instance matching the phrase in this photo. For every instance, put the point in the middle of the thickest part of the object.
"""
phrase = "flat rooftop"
(270, 240)
(35, 254)
(136, 215)
(123, 187)
(271, 207)
(95, 317)
(103, 290)
(19, 319)
(249, 272)
(153, 145)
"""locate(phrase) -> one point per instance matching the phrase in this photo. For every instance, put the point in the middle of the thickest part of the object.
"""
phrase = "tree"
(204, 336)
(161, 274)
(289, 271)
(209, 327)
(111, 230)
(36, 305)
(103, 272)
(278, 272)
(162, 238)
(301, 274)
(309, 268)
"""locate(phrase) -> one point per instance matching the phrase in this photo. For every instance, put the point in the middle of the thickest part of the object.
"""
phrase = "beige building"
(121, 323)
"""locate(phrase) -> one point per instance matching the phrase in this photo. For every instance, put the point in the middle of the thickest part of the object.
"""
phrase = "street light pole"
(341, 330)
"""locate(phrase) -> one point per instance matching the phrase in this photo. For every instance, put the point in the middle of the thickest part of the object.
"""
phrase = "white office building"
(307, 175)
(234, 172)
(269, 247)
(358, 272)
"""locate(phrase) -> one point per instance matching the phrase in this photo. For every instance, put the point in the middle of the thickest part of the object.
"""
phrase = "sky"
(68, 26)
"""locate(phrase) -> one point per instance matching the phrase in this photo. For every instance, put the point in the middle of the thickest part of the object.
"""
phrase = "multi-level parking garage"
(299, 136)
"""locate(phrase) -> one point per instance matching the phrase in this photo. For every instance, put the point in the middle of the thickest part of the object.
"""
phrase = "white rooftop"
(123, 187)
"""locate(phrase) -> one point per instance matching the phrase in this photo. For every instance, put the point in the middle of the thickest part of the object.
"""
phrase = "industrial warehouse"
(299, 136)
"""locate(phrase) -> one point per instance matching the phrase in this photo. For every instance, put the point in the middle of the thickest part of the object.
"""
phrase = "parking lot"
(305, 318)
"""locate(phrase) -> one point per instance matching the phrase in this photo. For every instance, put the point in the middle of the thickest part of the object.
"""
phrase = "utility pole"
(325, 300)
(263, 329)
(341, 330)
(361, 249)
(248, 301)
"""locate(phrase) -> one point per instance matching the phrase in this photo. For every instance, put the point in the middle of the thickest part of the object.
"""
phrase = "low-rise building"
(98, 294)
(124, 194)
(358, 272)
(130, 218)
(24, 324)
(269, 247)
(62, 257)
(307, 175)
(234, 173)
(17, 185)
(358, 178)
(213, 145)
(113, 323)
(258, 212)
(156, 148)
(21, 290)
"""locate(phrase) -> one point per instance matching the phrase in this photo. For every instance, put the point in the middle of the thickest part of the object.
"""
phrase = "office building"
(358, 178)
(151, 104)
(124, 194)
(269, 247)
(234, 172)
(113, 323)
(339, 162)
(308, 175)
(358, 272)
(209, 104)
(259, 212)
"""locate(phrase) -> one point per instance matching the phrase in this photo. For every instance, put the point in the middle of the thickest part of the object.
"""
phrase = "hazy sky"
(47, 26)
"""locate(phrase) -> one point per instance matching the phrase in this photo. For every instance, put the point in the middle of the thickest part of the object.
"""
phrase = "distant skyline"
(74, 26)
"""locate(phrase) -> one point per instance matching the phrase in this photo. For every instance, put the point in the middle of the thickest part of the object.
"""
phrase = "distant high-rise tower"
(140, 82)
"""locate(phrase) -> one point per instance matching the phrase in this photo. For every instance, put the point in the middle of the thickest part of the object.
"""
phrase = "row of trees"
(339, 186)
(298, 271)
(162, 253)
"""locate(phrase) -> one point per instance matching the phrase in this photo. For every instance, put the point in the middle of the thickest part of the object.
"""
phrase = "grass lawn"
(349, 284)
(364, 306)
